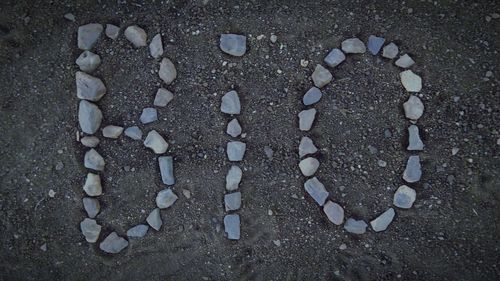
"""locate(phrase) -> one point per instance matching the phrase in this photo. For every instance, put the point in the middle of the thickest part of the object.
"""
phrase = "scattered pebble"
(334, 58)
(415, 143)
(112, 31)
(167, 169)
(316, 190)
(233, 44)
(70, 17)
(134, 133)
(113, 244)
(156, 46)
(309, 166)
(454, 151)
(232, 201)
(89, 87)
(233, 178)
(90, 229)
(268, 152)
(186, 193)
(306, 146)
(167, 72)
(156, 142)
(414, 108)
(138, 231)
(404, 197)
(411, 81)
(312, 96)
(233, 128)
(355, 226)
(136, 35)
(413, 170)
(88, 61)
(154, 219)
(91, 206)
(88, 35)
(375, 44)
(277, 242)
(52, 193)
(273, 38)
(94, 160)
(90, 141)
(304, 63)
(353, 46)
(334, 212)
(92, 185)
(112, 131)
(149, 115)
(306, 119)
(382, 163)
(231, 103)
(165, 198)
(59, 166)
(405, 61)
(390, 51)
(235, 150)
(44, 247)
(382, 222)
(321, 76)
(232, 226)
(343, 246)
(163, 97)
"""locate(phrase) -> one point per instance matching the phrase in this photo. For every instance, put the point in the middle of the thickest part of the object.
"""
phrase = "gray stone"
(90, 141)
(233, 128)
(355, 226)
(232, 226)
(413, 170)
(232, 201)
(316, 190)
(353, 46)
(404, 197)
(88, 35)
(91, 206)
(236, 150)
(70, 17)
(112, 31)
(167, 72)
(165, 198)
(273, 38)
(309, 166)
(306, 146)
(233, 44)
(167, 169)
(113, 243)
(94, 160)
(156, 46)
(415, 143)
(230, 103)
(312, 96)
(138, 231)
(268, 152)
(134, 133)
(149, 115)
(375, 44)
(136, 35)
(321, 76)
(112, 131)
(90, 229)
(334, 212)
(89, 87)
(405, 61)
(390, 51)
(334, 58)
(156, 142)
(306, 119)
(154, 219)
(233, 178)
(163, 97)
(411, 81)
(92, 185)
(382, 222)
(88, 61)
(414, 108)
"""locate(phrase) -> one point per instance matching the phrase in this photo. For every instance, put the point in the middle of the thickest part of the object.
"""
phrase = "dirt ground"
(451, 233)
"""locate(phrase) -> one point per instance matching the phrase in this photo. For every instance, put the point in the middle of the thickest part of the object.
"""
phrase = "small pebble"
(382, 163)
(233, 128)
(90, 229)
(342, 246)
(154, 219)
(112, 31)
(233, 178)
(90, 141)
(306, 119)
(232, 226)
(156, 142)
(89, 87)
(167, 169)
(88, 35)
(94, 160)
(413, 171)
(375, 44)
(44, 247)
(277, 242)
(138, 231)
(355, 226)
(273, 38)
(112, 132)
(312, 96)
(136, 35)
(186, 193)
(411, 81)
(316, 190)
(304, 63)
(149, 115)
(353, 46)
(165, 198)
(454, 151)
(230, 103)
(404, 197)
(89, 117)
(334, 58)
(306, 147)
(233, 44)
(88, 61)
(334, 212)
(134, 133)
(415, 143)
(113, 244)
(309, 166)
(93, 185)
(382, 222)
(163, 97)
(59, 166)
(232, 201)
(235, 150)
(70, 17)
(167, 72)
(52, 193)
(414, 108)
(390, 51)
(156, 46)
(321, 76)
(405, 61)
(91, 206)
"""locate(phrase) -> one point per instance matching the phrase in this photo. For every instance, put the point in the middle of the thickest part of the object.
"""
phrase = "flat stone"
(309, 166)
(90, 141)
(134, 133)
(411, 81)
(112, 31)
(149, 115)
(232, 201)
(415, 143)
(273, 38)
(88, 61)
(167, 72)
(163, 97)
(88, 35)
(232, 226)
(306, 119)
(112, 131)
(268, 152)
(353, 46)
(90, 229)
(165, 198)
(306, 146)
(236, 150)
(70, 17)
(233, 178)
(413, 170)
(91, 206)
(233, 128)
(138, 231)
(321, 76)
(230, 103)
(405, 61)
(355, 226)
(92, 185)
(382, 222)
(316, 190)
(89, 87)
(404, 197)
(167, 169)
(414, 108)
(136, 35)
(375, 44)
(334, 58)
(154, 219)
(156, 142)
(94, 160)
(334, 212)
(156, 46)
(312, 96)
(390, 51)
(113, 243)
(233, 44)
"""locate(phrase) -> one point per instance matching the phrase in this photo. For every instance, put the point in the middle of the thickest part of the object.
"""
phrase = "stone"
(405, 61)
(156, 142)
(273, 38)
(232, 201)
(112, 131)
(353, 46)
(154, 219)
(411, 81)
(167, 169)
(381, 163)
(165, 198)
(236, 150)
(92, 185)
(149, 115)
(70, 17)
(156, 46)
(334, 58)
(414, 108)
(91, 206)
(321, 76)
(382, 222)
(306, 147)
(375, 44)
(312, 96)
(233, 44)
(232, 226)
(136, 35)
(90, 229)
(134, 133)
(112, 31)
(230, 103)
(163, 97)
(309, 166)
(306, 119)
(233, 178)
(316, 190)
(113, 243)
(404, 197)
(415, 143)
(138, 231)
(334, 212)
(413, 170)
(89, 87)
(268, 152)
(355, 226)
(88, 35)
(233, 128)
(90, 141)
(167, 72)
(390, 51)
(88, 61)
(94, 160)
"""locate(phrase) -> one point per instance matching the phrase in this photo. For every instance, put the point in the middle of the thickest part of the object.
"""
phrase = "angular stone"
(165, 198)
(91, 206)
(92, 185)
(411, 81)
(88, 61)
(236, 150)
(404, 197)
(321, 76)
(334, 58)
(306, 146)
(375, 44)
(90, 141)
(70, 17)
(232, 201)
(334, 212)
(154, 219)
(148, 115)
(167, 169)
(89, 87)
(415, 143)
(134, 133)
(316, 190)
(312, 96)
(353, 46)
(88, 35)
(306, 119)
(414, 108)
(233, 44)
(113, 244)
(405, 61)
(163, 97)
(112, 31)
(233, 128)
(136, 35)
(156, 46)
(233, 178)
(112, 131)
(382, 222)
(90, 229)
(355, 226)
(156, 142)
(413, 170)
(94, 160)
(309, 166)
(232, 226)
(230, 103)
(390, 51)
(138, 231)
(167, 72)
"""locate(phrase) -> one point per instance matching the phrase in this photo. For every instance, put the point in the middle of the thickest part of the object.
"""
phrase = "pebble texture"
(312, 96)
(112, 132)
(306, 119)
(167, 169)
(93, 160)
(89, 87)
(230, 103)
(165, 198)
(233, 178)
(90, 141)
(138, 231)
(89, 117)
(156, 142)
(113, 243)
(309, 166)
(232, 201)
(167, 72)
(90, 229)
(93, 185)
(233, 128)
(414, 108)
(154, 219)
(411, 81)
(353, 46)
(233, 44)
(382, 222)
(149, 115)
(112, 31)
(236, 150)
(134, 133)
(136, 35)
(163, 97)
(306, 147)
(316, 190)
(334, 212)
(334, 58)
(88, 35)
(414, 141)
(355, 226)
(404, 197)
(232, 226)
(91, 206)
(375, 44)
(321, 76)
(156, 46)
(405, 61)
(390, 51)
(88, 61)
(413, 170)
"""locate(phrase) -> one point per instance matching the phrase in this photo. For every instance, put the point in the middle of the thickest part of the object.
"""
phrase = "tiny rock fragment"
(405, 61)
(390, 51)
(309, 166)
(70, 17)
(113, 243)
(91, 206)
(414, 108)
(235, 150)
(233, 128)
(94, 160)
(411, 81)
(90, 229)
(88, 61)
(355, 226)
(52, 193)
(415, 143)
(149, 115)
(163, 97)
(375, 44)
(381, 163)
(165, 198)
(156, 46)
(454, 151)
(136, 35)
(92, 185)
(167, 72)
(334, 212)
(186, 193)
(134, 133)
(233, 44)
(138, 231)
(232, 201)
(112, 131)
(232, 226)
(306, 119)
(154, 219)
(312, 96)
(156, 142)
(89, 87)
(334, 58)
(44, 247)
(112, 31)
(89, 117)
(353, 46)
(273, 38)
(90, 141)
(167, 169)
(404, 197)
(230, 103)
(268, 152)
(413, 170)
(321, 76)
(233, 178)
(316, 190)
(306, 146)
(304, 63)
(382, 222)
(88, 35)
